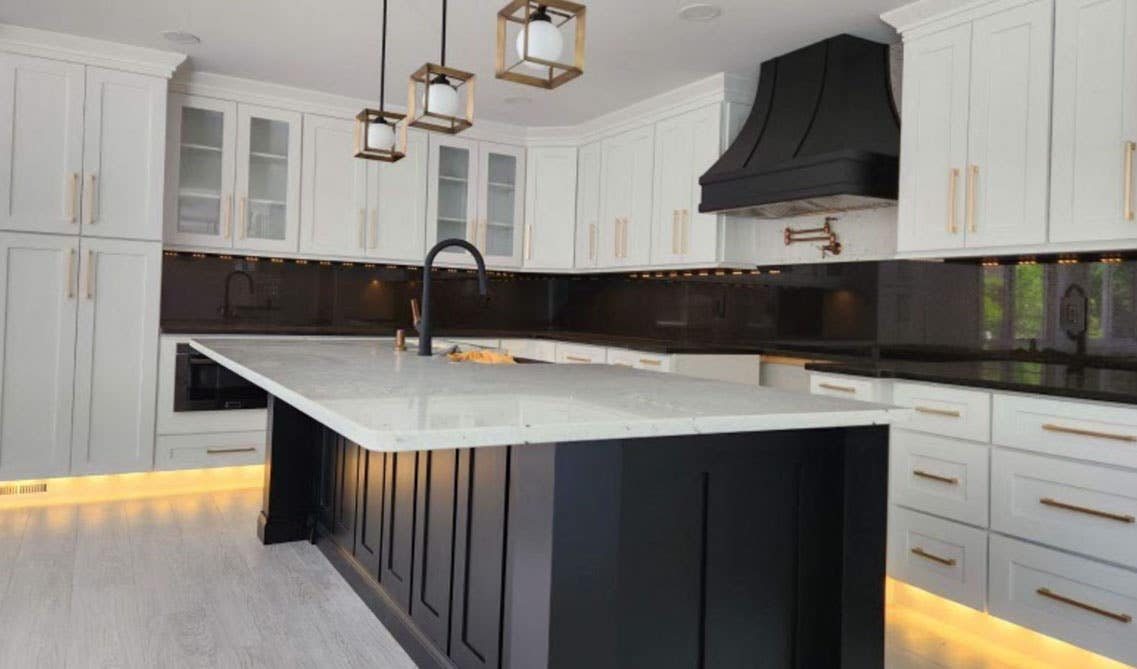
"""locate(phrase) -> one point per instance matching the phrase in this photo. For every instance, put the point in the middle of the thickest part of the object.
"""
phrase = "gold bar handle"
(227, 217)
(72, 193)
(624, 240)
(70, 290)
(221, 451)
(1130, 148)
(953, 180)
(683, 232)
(950, 413)
(243, 228)
(576, 358)
(947, 562)
(1050, 594)
(89, 275)
(1054, 427)
(651, 361)
(1121, 518)
(363, 228)
(833, 386)
(90, 200)
(951, 480)
(972, 185)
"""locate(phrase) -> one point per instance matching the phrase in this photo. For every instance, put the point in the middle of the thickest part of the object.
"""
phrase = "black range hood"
(823, 136)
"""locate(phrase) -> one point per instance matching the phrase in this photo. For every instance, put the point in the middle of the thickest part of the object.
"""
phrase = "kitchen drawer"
(480, 342)
(1082, 430)
(531, 349)
(938, 555)
(218, 449)
(628, 358)
(582, 354)
(1083, 508)
(945, 477)
(1081, 601)
(849, 387)
(944, 410)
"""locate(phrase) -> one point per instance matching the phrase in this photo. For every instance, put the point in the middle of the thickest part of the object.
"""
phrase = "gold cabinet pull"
(374, 228)
(1050, 594)
(624, 240)
(616, 238)
(684, 219)
(950, 413)
(1054, 427)
(243, 228)
(89, 275)
(834, 386)
(951, 480)
(221, 451)
(1121, 518)
(1130, 148)
(363, 228)
(90, 211)
(72, 193)
(947, 562)
(69, 291)
(953, 180)
(972, 184)
(651, 361)
(227, 217)
(576, 358)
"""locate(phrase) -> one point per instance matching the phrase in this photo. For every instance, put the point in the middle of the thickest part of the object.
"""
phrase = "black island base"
(760, 549)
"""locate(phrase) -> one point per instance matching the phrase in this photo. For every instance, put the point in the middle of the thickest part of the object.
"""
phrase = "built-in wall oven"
(200, 384)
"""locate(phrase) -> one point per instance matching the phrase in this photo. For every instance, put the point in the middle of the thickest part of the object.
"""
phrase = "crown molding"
(926, 16)
(89, 51)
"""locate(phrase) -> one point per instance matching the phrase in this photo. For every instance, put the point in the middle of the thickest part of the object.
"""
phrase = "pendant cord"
(443, 59)
(383, 62)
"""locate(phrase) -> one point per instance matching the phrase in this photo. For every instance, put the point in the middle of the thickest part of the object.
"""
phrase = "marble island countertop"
(386, 400)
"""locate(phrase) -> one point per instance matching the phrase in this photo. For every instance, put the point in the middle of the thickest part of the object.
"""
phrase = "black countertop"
(1089, 383)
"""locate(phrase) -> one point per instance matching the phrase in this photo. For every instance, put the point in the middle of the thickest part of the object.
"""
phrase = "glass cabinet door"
(501, 203)
(200, 190)
(452, 204)
(268, 179)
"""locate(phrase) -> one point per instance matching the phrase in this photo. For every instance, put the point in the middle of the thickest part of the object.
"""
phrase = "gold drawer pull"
(951, 413)
(575, 358)
(947, 562)
(833, 386)
(972, 177)
(221, 451)
(935, 477)
(1130, 147)
(649, 361)
(1053, 427)
(1121, 518)
(1119, 617)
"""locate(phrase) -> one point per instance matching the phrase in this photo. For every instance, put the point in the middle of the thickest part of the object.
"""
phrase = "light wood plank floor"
(183, 582)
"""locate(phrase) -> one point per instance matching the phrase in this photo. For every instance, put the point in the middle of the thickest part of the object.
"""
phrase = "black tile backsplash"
(923, 310)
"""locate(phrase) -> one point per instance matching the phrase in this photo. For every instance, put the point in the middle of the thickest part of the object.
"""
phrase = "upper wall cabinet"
(588, 206)
(80, 149)
(975, 131)
(233, 176)
(335, 189)
(398, 215)
(626, 175)
(550, 207)
(685, 147)
(1093, 187)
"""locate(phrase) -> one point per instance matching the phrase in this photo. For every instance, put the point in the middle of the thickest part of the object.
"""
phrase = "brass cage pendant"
(556, 74)
(389, 154)
(420, 116)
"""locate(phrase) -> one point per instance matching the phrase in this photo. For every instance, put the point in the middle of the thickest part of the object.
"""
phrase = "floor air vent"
(23, 489)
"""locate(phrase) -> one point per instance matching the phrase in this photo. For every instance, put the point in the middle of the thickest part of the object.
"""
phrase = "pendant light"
(380, 134)
(435, 95)
(539, 43)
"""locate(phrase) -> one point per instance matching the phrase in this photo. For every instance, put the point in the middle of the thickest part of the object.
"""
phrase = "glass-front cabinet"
(476, 194)
(235, 182)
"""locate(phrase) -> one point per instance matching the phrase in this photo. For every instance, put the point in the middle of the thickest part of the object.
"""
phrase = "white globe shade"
(443, 99)
(380, 136)
(545, 42)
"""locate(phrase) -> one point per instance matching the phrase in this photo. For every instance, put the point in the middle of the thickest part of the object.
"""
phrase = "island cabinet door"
(434, 543)
(344, 519)
(369, 521)
(479, 558)
(399, 527)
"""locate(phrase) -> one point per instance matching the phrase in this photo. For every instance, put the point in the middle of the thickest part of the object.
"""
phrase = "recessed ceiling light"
(180, 37)
(700, 11)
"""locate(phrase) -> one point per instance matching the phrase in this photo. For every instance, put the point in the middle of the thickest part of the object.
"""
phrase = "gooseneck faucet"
(425, 346)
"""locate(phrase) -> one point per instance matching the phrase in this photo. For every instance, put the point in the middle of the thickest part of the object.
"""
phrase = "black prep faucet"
(425, 346)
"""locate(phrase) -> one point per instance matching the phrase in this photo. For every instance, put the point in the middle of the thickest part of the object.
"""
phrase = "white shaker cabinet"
(41, 144)
(587, 206)
(501, 203)
(626, 175)
(550, 208)
(685, 147)
(201, 154)
(974, 140)
(37, 353)
(1093, 182)
(123, 155)
(116, 357)
(335, 187)
(268, 179)
(398, 207)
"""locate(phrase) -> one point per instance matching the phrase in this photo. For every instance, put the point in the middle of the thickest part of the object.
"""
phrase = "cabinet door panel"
(1009, 126)
(37, 353)
(369, 521)
(674, 155)
(398, 205)
(201, 153)
(434, 543)
(626, 198)
(937, 71)
(116, 356)
(588, 207)
(1095, 114)
(501, 203)
(637, 230)
(41, 144)
(334, 184)
(699, 233)
(452, 203)
(399, 527)
(479, 557)
(268, 179)
(550, 208)
(347, 472)
(123, 155)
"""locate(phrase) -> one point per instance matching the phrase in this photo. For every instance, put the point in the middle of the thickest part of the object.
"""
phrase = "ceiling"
(635, 48)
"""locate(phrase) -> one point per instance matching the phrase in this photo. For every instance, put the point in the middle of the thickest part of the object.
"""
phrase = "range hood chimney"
(823, 136)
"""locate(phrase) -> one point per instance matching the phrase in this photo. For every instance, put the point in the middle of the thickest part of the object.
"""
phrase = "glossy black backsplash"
(890, 309)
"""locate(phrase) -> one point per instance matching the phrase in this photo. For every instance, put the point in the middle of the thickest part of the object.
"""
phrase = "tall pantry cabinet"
(81, 182)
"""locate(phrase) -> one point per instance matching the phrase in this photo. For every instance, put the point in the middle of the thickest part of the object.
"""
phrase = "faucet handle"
(416, 315)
